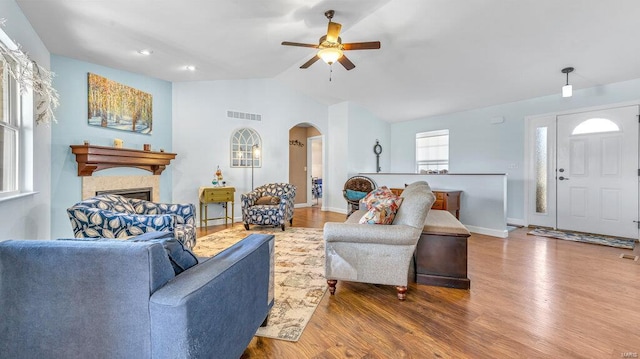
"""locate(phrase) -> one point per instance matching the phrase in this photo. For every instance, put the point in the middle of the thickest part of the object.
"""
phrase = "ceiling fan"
(330, 46)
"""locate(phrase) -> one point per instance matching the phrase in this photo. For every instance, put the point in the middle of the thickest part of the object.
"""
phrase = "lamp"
(330, 54)
(567, 90)
(255, 152)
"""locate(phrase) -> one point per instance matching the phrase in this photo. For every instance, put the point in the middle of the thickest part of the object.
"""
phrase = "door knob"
(561, 178)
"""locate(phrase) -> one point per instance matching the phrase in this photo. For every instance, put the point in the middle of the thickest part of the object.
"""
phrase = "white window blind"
(432, 151)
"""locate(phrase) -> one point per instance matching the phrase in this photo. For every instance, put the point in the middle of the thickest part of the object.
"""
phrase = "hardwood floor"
(530, 297)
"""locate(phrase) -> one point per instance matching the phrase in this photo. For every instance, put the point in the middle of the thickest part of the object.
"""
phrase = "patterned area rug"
(299, 274)
(585, 237)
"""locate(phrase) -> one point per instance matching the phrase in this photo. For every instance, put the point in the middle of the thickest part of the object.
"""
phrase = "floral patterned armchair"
(114, 216)
(270, 204)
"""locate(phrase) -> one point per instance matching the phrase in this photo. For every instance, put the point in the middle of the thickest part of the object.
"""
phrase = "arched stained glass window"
(595, 125)
(245, 148)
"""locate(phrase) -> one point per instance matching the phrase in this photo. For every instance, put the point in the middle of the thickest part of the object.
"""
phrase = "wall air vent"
(244, 115)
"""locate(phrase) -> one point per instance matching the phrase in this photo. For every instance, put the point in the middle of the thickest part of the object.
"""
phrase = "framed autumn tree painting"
(117, 106)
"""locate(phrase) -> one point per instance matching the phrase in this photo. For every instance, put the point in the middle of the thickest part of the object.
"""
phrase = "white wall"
(202, 133)
(364, 129)
(478, 146)
(28, 217)
(482, 202)
(336, 155)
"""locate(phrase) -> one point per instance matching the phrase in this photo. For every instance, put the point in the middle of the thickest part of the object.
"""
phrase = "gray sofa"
(121, 299)
(374, 253)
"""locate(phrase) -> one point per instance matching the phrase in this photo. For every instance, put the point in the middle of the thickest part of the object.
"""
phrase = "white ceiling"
(437, 56)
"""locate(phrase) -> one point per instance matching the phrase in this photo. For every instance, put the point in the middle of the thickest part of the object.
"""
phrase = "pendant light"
(567, 90)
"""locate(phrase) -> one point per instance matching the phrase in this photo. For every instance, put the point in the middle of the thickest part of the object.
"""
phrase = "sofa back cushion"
(109, 202)
(277, 190)
(417, 202)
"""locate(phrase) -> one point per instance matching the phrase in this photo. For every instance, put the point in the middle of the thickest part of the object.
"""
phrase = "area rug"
(299, 274)
(585, 237)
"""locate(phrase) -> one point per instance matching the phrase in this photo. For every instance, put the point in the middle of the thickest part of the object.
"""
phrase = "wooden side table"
(447, 200)
(222, 195)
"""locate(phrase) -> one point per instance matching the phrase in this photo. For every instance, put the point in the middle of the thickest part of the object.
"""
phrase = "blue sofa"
(122, 299)
(115, 216)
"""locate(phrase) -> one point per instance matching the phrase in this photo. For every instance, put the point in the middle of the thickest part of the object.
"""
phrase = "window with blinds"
(432, 151)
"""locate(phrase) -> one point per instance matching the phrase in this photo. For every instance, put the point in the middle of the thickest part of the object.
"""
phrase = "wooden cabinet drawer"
(218, 196)
(438, 204)
(439, 195)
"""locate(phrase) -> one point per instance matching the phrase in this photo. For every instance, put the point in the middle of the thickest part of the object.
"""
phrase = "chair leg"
(402, 292)
(246, 226)
(332, 286)
(291, 221)
(282, 226)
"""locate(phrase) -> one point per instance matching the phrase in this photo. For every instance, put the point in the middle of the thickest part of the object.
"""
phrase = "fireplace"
(92, 185)
(137, 193)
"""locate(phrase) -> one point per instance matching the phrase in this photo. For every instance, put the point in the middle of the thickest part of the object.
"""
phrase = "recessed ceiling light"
(145, 52)
(191, 68)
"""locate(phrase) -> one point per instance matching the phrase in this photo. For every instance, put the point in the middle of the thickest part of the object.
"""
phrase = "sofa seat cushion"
(355, 195)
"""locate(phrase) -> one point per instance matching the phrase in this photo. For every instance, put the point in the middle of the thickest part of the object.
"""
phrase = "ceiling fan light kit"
(330, 54)
(330, 46)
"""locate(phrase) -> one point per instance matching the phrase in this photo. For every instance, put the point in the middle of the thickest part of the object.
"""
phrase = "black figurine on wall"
(377, 149)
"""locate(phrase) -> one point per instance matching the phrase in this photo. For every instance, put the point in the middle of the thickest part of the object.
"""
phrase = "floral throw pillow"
(382, 206)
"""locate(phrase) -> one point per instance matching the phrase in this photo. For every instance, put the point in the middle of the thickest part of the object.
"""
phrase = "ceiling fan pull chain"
(330, 72)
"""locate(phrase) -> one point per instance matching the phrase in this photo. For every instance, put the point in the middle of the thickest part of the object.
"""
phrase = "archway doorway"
(306, 149)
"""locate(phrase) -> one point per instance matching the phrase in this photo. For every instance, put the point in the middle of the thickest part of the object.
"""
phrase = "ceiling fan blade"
(346, 62)
(310, 62)
(333, 31)
(288, 43)
(371, 45)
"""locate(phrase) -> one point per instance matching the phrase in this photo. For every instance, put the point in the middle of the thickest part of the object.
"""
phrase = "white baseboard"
(333, 209)
(301, 205)
(488, 231)
(516, 221)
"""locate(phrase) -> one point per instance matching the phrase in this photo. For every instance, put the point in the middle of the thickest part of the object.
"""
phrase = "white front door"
(597, 172)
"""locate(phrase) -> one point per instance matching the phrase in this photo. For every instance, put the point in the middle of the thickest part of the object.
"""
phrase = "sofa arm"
(97, 223)
(371, 233)
(214, 309)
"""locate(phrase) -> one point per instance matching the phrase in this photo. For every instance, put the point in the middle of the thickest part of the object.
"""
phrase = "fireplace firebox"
(137, 193)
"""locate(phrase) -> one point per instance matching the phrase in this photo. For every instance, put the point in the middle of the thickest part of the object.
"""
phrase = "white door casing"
(597, 174)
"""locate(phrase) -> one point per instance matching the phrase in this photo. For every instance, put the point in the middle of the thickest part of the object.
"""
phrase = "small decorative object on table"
(146, 147)
(117, 143)
(218, 179)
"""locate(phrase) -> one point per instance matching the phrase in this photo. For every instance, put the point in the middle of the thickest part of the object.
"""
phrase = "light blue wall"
(337, 165)
(363, 130)
(72, 129)
(477, 146)
(202, 133)
(29, 217)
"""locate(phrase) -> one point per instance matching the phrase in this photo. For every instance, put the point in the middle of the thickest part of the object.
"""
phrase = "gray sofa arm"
(371, 233)
(214, 309)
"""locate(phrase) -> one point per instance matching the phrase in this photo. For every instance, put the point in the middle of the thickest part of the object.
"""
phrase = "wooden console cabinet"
(446, 200)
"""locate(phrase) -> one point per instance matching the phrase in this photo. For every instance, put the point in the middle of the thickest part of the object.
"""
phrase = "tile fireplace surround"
(108, 183)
